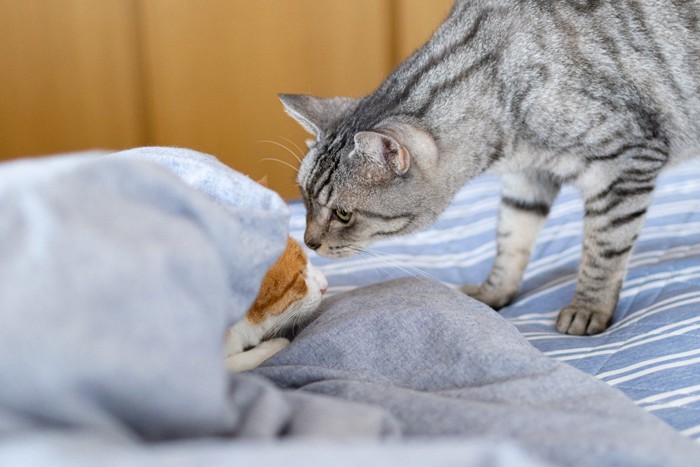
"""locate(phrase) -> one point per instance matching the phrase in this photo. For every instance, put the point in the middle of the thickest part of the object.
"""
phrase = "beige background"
(202, 74)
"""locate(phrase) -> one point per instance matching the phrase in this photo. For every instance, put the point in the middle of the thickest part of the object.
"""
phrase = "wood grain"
(70, 76)
(214, 69)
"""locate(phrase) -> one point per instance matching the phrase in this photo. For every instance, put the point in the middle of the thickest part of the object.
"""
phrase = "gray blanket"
(119, 275)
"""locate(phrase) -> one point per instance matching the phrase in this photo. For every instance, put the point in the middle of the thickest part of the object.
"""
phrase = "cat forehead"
(283, 284)
(306, 167)
(337, 189)
(320, 166)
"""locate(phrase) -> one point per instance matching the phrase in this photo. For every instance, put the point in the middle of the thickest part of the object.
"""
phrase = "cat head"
(290, 292)
(360, 182)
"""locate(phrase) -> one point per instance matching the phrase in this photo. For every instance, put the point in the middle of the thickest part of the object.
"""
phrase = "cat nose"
(311, 243)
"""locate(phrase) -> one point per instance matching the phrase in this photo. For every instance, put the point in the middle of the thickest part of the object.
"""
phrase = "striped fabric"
(652, 350)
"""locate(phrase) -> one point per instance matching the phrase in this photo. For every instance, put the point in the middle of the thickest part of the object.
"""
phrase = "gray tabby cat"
(602, 94)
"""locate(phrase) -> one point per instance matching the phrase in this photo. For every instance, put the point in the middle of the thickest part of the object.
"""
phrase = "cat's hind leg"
(525, 203)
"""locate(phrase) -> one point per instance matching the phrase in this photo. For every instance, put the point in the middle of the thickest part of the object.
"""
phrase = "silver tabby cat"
(602, 94)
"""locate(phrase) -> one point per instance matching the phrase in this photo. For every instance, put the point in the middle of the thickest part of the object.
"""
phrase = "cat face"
(360, 186)
(289, 294)
(290, 291)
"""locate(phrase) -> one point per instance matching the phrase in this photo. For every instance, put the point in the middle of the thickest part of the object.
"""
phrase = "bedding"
(652, 350)
(120, 273)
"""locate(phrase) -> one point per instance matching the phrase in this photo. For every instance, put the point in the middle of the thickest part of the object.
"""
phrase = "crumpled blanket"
(119, 275)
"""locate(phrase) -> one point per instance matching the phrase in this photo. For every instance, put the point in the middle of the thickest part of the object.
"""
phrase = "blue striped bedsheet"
(652, 350)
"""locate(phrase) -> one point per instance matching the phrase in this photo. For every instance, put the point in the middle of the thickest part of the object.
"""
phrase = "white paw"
(274, 345)
(254, 357)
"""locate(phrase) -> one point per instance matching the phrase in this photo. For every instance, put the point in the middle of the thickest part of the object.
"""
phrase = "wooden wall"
(69, 76)
(202, 74)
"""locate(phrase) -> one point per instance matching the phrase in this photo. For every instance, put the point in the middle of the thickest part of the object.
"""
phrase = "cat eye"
(342, 215)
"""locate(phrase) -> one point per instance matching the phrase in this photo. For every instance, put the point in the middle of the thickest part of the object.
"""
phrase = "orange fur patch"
(283, 284)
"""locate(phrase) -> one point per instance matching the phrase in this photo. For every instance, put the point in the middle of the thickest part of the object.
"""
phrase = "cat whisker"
(295, 169)
(301, 151)
(297, 318)
(274, 332)
(381, 269)
(283, 147)
(297, 322)
(407, 268)
(280, 325)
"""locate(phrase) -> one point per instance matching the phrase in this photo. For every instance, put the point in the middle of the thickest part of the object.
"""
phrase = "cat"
(602, 94)
(290, 293)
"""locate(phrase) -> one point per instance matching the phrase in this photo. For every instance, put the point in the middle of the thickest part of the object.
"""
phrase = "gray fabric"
(119, 275)
(117, 279)
(442, 365)
(60, 450)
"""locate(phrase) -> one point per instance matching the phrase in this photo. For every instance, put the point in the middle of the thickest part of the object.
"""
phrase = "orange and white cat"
(290, 292)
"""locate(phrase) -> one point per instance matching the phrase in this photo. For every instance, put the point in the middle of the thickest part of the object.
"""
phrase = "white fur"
(245, 334)
(254, 357)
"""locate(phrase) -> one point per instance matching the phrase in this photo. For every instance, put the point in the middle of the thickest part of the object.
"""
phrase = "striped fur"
(601, 94)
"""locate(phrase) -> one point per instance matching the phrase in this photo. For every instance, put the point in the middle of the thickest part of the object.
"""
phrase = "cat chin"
(315, 280)
(339, 252)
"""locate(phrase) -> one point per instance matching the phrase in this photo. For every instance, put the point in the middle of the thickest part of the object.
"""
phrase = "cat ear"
(263, 181)
(383, 149)
(317, 114)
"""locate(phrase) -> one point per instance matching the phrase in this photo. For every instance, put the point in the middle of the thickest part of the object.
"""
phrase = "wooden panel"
(415, 21)
(214, 69)
(69, 76)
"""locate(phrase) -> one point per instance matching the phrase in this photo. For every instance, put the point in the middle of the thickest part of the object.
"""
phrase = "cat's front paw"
(579, 320)
(273, 346)
(250, 359)
(488, 295)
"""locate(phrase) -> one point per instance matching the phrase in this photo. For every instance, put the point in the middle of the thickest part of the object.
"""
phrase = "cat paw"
(273, 345)
(579, 320)
(250, 359)
(487, 296)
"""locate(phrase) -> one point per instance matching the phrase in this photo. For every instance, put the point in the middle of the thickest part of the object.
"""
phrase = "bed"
(120, 273)
(652, 350)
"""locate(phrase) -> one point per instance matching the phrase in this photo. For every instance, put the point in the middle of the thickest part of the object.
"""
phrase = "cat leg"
(525, 203)
(613, 220)
(254, 357)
